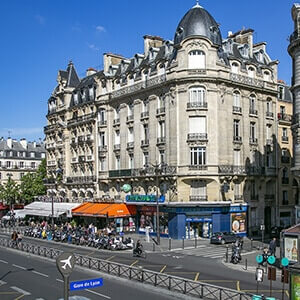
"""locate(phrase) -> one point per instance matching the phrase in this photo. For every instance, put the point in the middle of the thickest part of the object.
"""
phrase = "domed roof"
(198, 22)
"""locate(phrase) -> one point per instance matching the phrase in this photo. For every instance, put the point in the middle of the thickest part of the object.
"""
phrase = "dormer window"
(251, 72)
(196, 59)
(91, 92)
(76, 98)
(235, 68)
(244, 51)
(281, 93)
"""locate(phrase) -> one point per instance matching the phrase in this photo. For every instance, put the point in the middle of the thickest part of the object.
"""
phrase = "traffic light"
(284, 275)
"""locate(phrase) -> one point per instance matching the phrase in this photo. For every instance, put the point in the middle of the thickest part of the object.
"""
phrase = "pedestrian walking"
(272, 247)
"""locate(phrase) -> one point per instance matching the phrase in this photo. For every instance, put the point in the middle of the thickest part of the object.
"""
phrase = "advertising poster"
(238, 222)
(291, 248)
(295, 287)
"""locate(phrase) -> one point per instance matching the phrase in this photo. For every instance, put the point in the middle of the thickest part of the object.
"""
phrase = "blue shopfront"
(202, 221)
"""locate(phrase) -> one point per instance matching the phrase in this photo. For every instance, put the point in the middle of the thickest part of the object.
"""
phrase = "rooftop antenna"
(197, 4)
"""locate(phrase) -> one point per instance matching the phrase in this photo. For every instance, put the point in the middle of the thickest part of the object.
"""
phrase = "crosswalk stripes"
(204, 251)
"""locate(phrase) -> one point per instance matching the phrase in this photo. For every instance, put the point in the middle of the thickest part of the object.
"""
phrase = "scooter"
(236, 255)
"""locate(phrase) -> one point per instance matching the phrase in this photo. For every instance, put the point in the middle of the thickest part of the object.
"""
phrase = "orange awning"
(104, 210)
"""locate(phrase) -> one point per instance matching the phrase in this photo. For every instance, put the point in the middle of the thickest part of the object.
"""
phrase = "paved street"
(23, 276)
(204, 263)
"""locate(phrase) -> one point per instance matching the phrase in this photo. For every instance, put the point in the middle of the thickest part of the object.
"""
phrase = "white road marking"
(2, 282)
(39, 299)
(20, 291)
(3, 261)
(38, 273)
(59, 280)
(20, 267)
(101, 295)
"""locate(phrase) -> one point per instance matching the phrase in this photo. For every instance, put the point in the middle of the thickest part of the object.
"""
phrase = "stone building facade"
(192, 119)
(18, 158)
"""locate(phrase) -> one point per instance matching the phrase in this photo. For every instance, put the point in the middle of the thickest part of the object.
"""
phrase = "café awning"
(110, 210)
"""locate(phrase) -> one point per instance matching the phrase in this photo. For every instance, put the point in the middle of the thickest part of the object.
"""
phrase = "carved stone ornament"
(195, 44)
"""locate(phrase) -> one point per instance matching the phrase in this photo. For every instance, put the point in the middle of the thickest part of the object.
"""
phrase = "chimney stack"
(152, 41)
(23, 142)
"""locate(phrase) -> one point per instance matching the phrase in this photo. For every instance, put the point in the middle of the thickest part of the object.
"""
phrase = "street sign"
(271, 259)
(65, 263)
(259, 259)
(259, 275)
(86, 284)
(284, 262)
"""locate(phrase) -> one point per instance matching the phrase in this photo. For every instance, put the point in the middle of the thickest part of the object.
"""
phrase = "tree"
(32, 184)
(10, 191)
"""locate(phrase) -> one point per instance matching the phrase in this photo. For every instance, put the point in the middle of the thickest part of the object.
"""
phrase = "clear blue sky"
(39, 37)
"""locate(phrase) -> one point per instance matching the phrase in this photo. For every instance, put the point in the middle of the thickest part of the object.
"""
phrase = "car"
(223, 237)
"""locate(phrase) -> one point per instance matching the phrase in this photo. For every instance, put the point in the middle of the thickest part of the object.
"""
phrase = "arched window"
(267, 76)
(196, 59)
(235, 67)
(251, 72)
(197, 95)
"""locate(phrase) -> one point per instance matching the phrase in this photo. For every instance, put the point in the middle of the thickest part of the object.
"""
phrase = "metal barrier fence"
(177, 284)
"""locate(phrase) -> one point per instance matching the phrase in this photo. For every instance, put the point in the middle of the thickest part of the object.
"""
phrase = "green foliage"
(10, 191)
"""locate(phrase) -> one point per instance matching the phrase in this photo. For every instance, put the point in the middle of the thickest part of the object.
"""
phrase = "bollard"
(169, 244)
(153, 247)
(251, 243)
(183, 242)
(226, 254)
(246, 264)
(195, 242)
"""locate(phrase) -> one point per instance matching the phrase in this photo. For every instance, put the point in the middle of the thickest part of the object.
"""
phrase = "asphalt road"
(23, 276)
(201, 264)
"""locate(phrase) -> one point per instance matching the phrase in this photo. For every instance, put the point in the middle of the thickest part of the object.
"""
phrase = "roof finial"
(197, 4)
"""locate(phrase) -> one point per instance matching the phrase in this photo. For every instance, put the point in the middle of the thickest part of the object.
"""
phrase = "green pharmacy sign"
(144, 198)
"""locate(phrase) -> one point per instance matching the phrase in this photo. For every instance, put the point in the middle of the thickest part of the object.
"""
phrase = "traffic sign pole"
(66, 287)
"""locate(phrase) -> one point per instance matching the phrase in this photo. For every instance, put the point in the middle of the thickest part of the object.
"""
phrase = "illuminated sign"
(145, 198)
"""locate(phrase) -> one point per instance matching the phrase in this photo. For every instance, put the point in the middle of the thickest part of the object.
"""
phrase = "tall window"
(197, 125)
(236, 99)
(197, 94)
(102, 138)
(284, 134)
(269, 131)
(252, 130)
(162, 156)
(161, 101)
(236, 128)
(252, 189)
(285, 173)
(146, 158)
(237, 190)
(198, 156)
(102, 164)
(117, 137)
(101, 115)
(130, 109)
(117, 162)
(196, 59)
(146, 106)
(269, 105)
(161, 129)
(282, 110)
(235, 68)
(117, 113)
(285, 198)
(236, 157)
(252, 103)
(131, 161)
(145, 132)
(198, 188)
(281, 92)
(130, 135)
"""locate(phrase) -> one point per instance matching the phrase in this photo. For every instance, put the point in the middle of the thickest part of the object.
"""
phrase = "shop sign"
(295, 286)
(291, 248)
(198, 220)
(238, 222)
(145, 198)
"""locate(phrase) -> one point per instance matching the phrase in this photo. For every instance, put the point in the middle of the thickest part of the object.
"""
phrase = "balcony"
(161, 111)
(237, 139)
(130, 145)
(197, 137)
(246, 80)
(81, 119)
(285, 180)
(80, 179)
(253, 141)
(120, 173)
(161, 140)
(130, 118)
(285, 139)
(116, 121)
(269, 196)
(197, 105)
(198, 198)
(284, 118)
(117, 147)
(236, 109)
(253, 111)
(232, 170)
(269, 114)
(145, 115)
(74, 160)
(198, 167)
(285, 159)
(102, 123)
(145, 143)
(102, 148)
